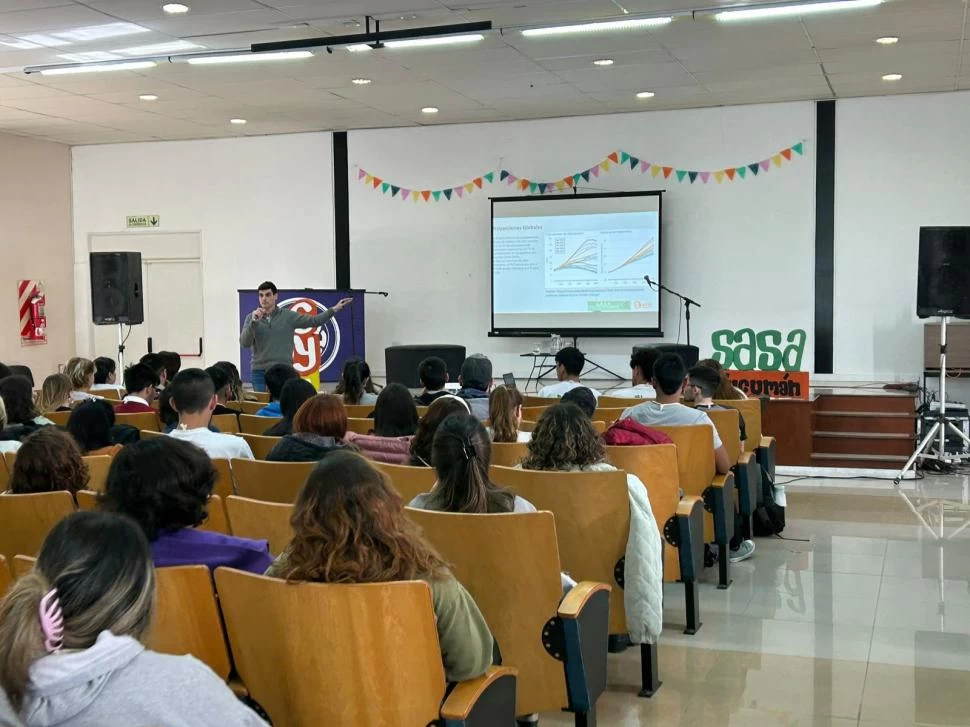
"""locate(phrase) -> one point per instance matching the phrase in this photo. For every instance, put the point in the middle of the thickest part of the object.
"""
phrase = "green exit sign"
(143, 221)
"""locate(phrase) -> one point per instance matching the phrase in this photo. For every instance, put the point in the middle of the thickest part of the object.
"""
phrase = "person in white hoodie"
(70, 640)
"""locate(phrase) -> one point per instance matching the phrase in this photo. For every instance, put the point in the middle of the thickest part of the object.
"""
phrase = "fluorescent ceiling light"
(286, 55)
(98, 67)
(358, 47)
(782, 11)
(892, 77)
(96, 55)
(100, 32)
(148, 97)
(429, 110)
(632, 24)
(887, 40)
(237, 121)
(441, 40)
(361, 81)
(603, 62)
(175, 8)
(646, 94)
(159, 48)
(43, 40)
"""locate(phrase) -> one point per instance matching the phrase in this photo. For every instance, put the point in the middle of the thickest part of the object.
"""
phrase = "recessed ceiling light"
(361, 81)
(98, 67)
(887, 40)
(603, 62)
(632, 24)
(175, 8)
(892, 77)
(148, 97)
(429, 110)
(284, 55)
(781, 11)
(237, 121)
(646, 94)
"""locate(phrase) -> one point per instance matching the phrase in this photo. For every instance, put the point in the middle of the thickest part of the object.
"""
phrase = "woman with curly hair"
(439, 410)
(48, 461)
(349, 527)
(164, 484)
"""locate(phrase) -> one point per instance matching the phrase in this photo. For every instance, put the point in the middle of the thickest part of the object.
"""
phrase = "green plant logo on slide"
(745, 350)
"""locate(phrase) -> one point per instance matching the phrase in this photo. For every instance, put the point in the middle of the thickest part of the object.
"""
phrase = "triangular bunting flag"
(797, 148)
(719, 176)
(459, 191)
(533, 187)
(560, 185)
(509, 181)
(776, 159)
(394, 190)
(741, 172)
(569, 181)
(585, 175)
(384, 187)
(595, 171)
(613, 158)
(405, 193)
(478, 182)
(765, 164)
(730, 174)
(624, 157)
(437, 195)
(705, 176)
(469, 187)
(605, 165)
(633, 162)
(415, 196)
(644, 166)
(693, 176)
(667, 171)
(361, 174)
(542, 188)
(754, 168)
(447, 193)
(786, 153)
(426, 194)
(490, 176)
(654, 170)
(367, 179)
(377, 182)
(576, 177)
(512, 178)
(501, 176)
(523, 184)
(681, 173)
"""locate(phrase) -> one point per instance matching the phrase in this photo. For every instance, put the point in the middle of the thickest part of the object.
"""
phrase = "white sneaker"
(744, 551)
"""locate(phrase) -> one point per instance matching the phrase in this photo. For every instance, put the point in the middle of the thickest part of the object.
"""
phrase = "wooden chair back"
(251, 407)
(516, 595)
(6, 576)
(140, 420)
(695, 456)
(4, 474)
(59, 417)
(360, 426)
(270, 481)
(750, 409)
(600, 427)
(26, 520)
(359, 411)
(150, 433)
(530, 400)
(508, 454)
(110, 394)
(261, 397)
(8, 459)
(527, 426)
(286, 636)
(87, 500)
(726, 424)
(261, 521)
(226, 423)
(186, 618)
(217, 521)
(224, 486)
(234, 405)
(98, 466)
(592, 512)
(407, 480)
(260, 445)
(252, 424)
(532, 413)
(607, 414)
(22, 565)
(616, 402)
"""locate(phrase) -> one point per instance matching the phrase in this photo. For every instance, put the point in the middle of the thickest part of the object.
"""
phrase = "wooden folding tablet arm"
(486, 701)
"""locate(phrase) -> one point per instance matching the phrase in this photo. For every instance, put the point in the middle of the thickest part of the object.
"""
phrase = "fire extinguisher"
(38, 318)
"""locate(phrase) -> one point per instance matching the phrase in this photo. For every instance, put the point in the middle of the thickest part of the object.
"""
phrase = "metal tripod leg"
(918, 453)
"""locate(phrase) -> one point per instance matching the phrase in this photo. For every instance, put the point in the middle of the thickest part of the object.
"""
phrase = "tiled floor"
(854, 620)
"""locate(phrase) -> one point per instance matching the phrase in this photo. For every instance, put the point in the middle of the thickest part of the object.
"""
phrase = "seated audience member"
(81, 373)
(5, 371)
(319, 428)
(725, 389)
(164, 485)
(276, 377)
(641, 370)
(220, 381)
(295, 393)
(569, 365)
(355, 385)
(395, 421)
(564, 440)
(433, 373)
(476, 381)
(71, 633)
(440, 409)
(18, 398)
(349, 527)
(172, 363)
(90, 424)
(167, 414)
(6, 445)
(141, 383)
(669, 379)
(55, 394)
(505, 415)
(157, 364)
(582, 397)
(235, 381)
(48, 461)
(193, 397)
(105, 374)
(702, 383)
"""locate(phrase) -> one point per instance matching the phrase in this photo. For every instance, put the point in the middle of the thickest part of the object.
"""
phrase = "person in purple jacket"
(164, 484)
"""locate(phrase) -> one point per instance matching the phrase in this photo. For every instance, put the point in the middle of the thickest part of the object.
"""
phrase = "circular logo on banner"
(314, 349)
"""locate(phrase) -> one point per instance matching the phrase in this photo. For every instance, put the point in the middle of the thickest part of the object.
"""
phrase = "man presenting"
(269, 331)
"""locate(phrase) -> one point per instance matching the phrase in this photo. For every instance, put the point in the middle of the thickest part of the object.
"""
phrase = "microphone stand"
(688, 302)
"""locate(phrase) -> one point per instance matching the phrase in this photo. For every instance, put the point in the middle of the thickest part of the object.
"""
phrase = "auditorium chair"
(260, 444)
(747, 471)
(4, 474)
(298, 647)
(25, 520)
(680, 519)
(224, 485)
(407, 480)
(764, 448)
(608, 415)
(86, 500)
(150, 433)
(508, 454)
(260, 397)
(22, 565)
(698, 476)
(360, 426)
(592, 511)
(543, 402)
(6, 577)
(251, 407)
(252, 424)
(359, 411)
(532, 413)
(558, 645)
(261, 520)
(614, 402)
(270, 481)
(111, 395)
(216, 521)
(527, 426)
(226, 423)
(140, 420)
(58, 417)
(600, 427)
(98, 466)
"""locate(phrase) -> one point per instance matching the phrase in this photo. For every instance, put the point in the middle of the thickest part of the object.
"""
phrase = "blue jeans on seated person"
(259, 380)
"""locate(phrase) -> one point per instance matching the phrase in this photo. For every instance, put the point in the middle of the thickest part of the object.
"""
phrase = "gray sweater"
(271, 337)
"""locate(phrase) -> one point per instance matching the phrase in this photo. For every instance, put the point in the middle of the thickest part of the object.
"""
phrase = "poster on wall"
(763, 363)
(318, 353)
(32, 302)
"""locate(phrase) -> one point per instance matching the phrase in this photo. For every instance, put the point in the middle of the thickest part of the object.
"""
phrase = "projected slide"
(575, 263)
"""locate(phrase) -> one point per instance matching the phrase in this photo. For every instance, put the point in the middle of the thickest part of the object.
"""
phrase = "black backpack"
(768, 517)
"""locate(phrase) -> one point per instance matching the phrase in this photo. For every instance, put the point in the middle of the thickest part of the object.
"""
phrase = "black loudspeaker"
(943, 277)
(116, 291)
(688, 354)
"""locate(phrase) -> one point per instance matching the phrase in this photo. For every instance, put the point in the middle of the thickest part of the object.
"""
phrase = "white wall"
(744, 250)
(902, 162)
(264, 206)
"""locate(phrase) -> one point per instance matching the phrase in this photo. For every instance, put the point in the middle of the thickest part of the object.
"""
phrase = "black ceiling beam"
(372, 38)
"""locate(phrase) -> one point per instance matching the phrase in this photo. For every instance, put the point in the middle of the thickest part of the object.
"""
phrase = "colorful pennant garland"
(617, 159)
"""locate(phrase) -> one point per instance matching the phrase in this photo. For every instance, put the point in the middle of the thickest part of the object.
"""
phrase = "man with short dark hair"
(582, 397)
(641, 371)
(276, 376)
(193, 397)
(140, 383)
(220, 382)
(104, 374)
(157, 364)
(702, 382)
(569, 365)
(433, 373)
(269, 331)
(172, 362)
(476, 381)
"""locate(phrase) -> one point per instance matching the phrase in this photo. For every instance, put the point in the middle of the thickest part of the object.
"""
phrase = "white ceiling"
(694, 61)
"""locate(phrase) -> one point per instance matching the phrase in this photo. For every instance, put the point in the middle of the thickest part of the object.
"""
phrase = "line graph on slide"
(586, 257)
(599, 260)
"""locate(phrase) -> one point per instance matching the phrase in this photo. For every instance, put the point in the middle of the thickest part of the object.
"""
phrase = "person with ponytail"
(439, 410)
(505, 415)
(355, 384)
(71, 632)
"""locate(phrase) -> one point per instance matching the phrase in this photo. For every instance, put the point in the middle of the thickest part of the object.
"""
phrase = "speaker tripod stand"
(122, 339)
(941, 424)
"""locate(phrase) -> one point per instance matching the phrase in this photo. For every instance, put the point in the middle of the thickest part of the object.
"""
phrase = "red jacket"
(630, 432)
(132, 407)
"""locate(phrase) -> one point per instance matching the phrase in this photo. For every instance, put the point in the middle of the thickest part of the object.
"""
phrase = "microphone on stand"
(649, 281)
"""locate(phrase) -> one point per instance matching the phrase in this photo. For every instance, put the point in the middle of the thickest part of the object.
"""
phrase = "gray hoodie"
(271, 337)
(119, 683)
